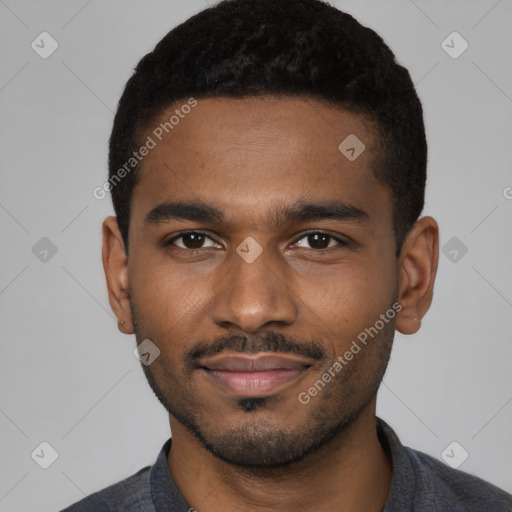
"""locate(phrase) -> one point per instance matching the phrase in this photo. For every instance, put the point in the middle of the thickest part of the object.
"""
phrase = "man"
(267, 169)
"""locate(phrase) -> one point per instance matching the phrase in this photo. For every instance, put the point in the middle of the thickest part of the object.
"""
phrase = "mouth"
(254, 375)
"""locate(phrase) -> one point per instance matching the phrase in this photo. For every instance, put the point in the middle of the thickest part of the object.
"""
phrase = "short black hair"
(304, 48)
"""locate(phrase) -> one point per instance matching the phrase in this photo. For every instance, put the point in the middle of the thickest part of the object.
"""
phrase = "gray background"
(68, 377)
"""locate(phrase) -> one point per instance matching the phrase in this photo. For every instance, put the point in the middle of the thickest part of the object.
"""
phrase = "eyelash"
(341, 242)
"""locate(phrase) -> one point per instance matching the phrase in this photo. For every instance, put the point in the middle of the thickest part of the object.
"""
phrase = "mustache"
(267, 342)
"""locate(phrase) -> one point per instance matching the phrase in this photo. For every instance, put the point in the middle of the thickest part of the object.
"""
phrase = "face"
(260, 258)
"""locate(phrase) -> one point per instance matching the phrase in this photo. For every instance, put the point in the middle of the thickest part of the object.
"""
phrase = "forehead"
(248, 155)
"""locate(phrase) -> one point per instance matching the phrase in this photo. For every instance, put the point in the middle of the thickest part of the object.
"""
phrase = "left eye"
(321, 240)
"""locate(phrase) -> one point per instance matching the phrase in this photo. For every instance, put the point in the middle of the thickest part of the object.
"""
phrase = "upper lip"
(239, 362)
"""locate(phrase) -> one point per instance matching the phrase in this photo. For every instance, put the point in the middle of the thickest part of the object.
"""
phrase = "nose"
(254, 294)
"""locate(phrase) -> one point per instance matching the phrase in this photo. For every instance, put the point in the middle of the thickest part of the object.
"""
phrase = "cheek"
(156, 293)
(356, 290)
(350, 301)
(168, 302)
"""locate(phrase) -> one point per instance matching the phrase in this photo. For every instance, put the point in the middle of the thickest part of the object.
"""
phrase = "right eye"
(191, 241)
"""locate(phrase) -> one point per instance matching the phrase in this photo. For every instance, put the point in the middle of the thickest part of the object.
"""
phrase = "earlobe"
(115, 266)
(417, 271)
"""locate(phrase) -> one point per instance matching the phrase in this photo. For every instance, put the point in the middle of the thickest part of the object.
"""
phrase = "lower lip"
(254, 384)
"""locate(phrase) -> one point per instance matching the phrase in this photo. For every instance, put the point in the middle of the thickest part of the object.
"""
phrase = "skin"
(248, 156)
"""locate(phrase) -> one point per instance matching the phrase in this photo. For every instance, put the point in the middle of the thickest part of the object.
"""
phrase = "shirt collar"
(164, 493)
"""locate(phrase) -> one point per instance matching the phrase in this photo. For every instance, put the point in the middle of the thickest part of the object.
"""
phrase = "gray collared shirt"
(420, 483)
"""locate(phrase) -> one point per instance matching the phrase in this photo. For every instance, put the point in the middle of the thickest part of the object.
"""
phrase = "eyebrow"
(300, 211)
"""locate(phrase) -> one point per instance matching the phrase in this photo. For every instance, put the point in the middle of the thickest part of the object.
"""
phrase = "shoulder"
(454, 490)
(422, 483)
(132, 493)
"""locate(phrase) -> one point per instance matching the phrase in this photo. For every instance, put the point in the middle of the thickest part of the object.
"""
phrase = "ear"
(416, 274)
(115, 265)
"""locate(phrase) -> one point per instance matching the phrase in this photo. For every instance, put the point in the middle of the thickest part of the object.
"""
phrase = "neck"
(351, 473)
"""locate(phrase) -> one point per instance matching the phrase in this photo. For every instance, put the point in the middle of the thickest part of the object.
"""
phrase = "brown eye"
(192, 240)
(319, 240)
